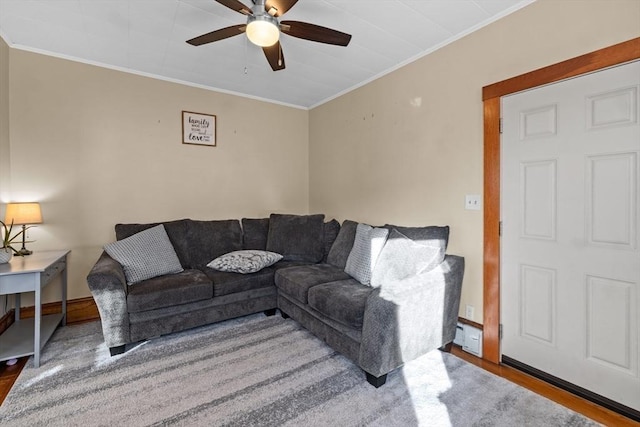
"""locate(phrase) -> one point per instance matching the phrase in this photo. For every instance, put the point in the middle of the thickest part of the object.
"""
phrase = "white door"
(570, 275)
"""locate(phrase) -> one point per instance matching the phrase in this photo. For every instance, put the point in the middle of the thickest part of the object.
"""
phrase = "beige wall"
(407, 147)
(97, 147)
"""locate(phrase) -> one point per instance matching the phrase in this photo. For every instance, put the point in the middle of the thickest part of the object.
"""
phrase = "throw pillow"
(367, 246)
(297, 237)
(145, 255)
(244, 262)
(176, 230)
(402, 257)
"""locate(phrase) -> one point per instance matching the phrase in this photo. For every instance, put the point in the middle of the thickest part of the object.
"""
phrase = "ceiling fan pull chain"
(246, 70)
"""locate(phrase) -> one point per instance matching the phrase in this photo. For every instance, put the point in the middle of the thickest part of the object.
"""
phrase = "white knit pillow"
(145, 255)
(367, 246)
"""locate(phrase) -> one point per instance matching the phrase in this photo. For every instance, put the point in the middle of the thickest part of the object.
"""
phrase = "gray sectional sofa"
(408, 309)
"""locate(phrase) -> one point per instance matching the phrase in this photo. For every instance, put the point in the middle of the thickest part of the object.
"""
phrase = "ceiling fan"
(263, 28)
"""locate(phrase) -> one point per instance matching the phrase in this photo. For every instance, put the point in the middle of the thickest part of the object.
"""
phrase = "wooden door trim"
(594, 61)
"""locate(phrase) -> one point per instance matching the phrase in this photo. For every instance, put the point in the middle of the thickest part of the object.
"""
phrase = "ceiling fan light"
(262, 32)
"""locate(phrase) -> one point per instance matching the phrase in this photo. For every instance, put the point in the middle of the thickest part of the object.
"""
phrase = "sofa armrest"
(108, 286)
(406, 319)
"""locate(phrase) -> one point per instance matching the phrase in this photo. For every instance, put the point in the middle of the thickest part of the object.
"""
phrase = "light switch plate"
(472, 202)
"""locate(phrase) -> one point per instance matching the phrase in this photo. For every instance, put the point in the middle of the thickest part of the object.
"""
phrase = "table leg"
(37, 320)
(16, 299)
(64, 296)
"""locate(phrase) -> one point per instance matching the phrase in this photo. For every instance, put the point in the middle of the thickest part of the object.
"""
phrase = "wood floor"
(9, 374)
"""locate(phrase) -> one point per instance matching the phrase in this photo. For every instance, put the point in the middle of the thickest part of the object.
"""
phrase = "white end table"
(32, 273)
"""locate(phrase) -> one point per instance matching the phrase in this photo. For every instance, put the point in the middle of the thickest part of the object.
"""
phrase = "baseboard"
(470, 323)
(78, 310)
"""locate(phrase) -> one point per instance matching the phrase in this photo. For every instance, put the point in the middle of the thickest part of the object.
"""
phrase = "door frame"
(594, 61)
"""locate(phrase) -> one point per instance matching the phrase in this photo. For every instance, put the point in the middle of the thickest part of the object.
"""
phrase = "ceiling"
(148, 37)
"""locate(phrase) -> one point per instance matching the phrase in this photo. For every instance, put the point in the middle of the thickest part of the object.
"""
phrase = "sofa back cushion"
(427, 235)
(403, 257)
(176, 230)
(210, 239)
(254, 233)
(331, 230)
(297, 237)
(342, 245)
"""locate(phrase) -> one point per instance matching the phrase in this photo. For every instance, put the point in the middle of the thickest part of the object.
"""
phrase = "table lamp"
(23, 214)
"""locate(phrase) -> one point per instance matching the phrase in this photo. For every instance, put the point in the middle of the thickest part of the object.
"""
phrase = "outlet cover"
(469, 312)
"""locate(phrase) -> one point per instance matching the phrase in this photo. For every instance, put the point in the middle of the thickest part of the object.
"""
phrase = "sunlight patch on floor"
(428, 373)
(44, 375)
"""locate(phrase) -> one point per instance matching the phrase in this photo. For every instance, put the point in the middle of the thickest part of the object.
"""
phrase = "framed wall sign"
(198, 129)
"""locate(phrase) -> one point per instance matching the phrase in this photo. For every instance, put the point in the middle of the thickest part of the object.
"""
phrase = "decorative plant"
(7, 239)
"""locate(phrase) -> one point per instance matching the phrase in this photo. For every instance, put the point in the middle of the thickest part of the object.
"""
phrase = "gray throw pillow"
(367, 246)
(402, 257)
(297, 237)
(244, 262)
(145, 255)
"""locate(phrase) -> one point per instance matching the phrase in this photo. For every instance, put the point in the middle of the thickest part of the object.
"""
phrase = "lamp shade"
(23, 213)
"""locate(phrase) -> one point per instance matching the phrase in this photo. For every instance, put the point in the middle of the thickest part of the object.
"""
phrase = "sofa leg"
(377, 382)
(447, 347)
(284, 315)
(116, 350)
(270, 312)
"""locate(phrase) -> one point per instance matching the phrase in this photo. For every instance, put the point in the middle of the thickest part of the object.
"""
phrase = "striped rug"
(257, 371)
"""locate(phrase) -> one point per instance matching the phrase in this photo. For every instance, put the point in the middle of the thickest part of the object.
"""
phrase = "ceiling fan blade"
(236, 5)
(280, 6)
(216, 35)
(315, 33)
(274, 56)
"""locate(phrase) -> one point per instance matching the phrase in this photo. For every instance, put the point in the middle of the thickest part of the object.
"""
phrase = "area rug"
(257, 371)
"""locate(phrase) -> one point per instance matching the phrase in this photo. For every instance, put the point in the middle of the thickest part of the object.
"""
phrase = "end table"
(32, 273)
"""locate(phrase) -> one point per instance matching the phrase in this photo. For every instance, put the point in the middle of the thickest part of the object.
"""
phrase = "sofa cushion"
(297, 237)
(254, 233)
(331, 230)
(342, 245)
(244, 262)
(343, 301)
(428, 234)
(167, 291)
(145, 255)
(296, 281)
(230, 283)
(210, 239)
(367, 246)
(402, 257)
(176, 230)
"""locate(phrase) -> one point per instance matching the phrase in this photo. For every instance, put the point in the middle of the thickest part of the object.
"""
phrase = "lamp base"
(24, 252)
